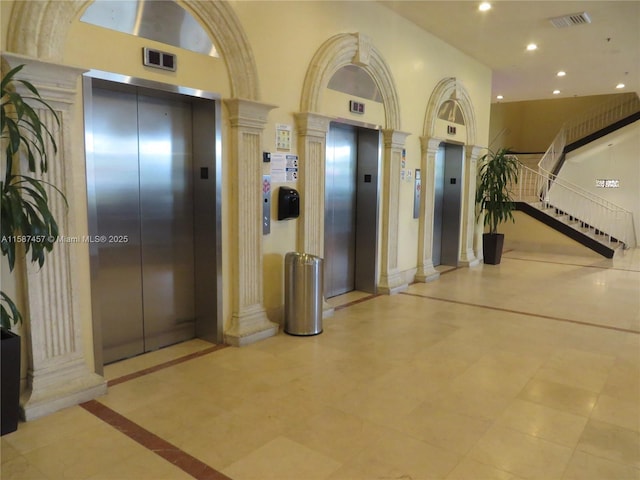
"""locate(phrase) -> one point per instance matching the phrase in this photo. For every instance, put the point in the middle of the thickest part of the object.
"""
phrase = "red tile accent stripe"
(166, 450)
(547, 317)
(160, 366)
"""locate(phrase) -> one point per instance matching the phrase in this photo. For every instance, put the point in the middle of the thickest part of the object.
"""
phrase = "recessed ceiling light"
(556, 92)
(484, 6)
(561, 73)
(531, 47)
(499, 97)
(620, 85)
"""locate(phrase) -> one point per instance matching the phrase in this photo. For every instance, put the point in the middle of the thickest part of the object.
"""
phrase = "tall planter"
(498, 173)
(10, 381)
(492, 244)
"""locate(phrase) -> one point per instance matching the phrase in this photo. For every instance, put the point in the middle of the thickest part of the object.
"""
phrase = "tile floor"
(527, 370)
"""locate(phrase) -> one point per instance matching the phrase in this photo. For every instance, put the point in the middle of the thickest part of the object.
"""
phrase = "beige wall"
(284, 36)
(532, 125)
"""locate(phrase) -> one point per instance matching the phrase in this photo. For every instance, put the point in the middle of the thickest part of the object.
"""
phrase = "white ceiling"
(596, 56)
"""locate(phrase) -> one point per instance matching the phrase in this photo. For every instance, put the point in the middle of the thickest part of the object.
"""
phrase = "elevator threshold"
(346, 298)
(155, 358)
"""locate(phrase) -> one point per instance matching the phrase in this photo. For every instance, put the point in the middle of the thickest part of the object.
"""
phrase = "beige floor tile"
(223, 440)
(523, 455)
(19, 468)
(589, 467)
(143, 466)
(543, 422)
(282, 459)
(51, 430)
(396, 387)
(337, 434)
(624, 379)
(84, 454)
(611, 442)
(580, 369)
(559, 396)
(442, 428)
(471, 470)
(7, 451)
(397, 455)
(623, 413)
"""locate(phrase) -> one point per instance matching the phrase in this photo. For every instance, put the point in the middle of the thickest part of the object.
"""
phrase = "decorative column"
(467, 256)
(249, 322)
(59, 373)
(426, 271)
(312, 129)
(391, 280)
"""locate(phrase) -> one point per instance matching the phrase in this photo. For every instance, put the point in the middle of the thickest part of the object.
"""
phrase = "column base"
(60, 388)
(250, 328)
(392, 284)
(469, 259)
(427, 273)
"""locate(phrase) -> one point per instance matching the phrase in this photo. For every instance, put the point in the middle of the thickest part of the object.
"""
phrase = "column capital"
(430, 144)
(310, 123)
(394, 138)
(247, 113)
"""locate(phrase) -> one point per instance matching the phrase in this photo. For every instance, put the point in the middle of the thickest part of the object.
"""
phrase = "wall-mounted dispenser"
(288, 203)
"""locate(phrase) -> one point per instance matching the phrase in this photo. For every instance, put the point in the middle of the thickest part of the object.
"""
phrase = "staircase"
(583, 216)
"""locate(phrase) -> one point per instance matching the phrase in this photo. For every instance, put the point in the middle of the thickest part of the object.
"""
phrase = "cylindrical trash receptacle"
(303, 280)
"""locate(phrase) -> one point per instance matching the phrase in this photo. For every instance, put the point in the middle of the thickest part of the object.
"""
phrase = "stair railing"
(595, 119)
(549, 191)
(601, 116)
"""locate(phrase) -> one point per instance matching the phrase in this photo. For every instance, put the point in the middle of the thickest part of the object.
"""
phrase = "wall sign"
(284, 167)
(283, 137)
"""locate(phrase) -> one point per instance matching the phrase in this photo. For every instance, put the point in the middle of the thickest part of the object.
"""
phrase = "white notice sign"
(284, 167)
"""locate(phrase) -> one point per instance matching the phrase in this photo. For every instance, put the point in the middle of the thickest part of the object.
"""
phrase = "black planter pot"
(492, 247)
(10, 381)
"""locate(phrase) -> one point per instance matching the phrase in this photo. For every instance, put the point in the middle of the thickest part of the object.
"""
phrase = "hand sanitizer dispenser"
(288, 203)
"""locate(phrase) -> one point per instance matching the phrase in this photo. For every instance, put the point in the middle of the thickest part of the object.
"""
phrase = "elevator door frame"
(206, 105)
(366, 246)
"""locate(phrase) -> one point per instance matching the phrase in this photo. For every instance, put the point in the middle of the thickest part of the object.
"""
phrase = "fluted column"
(391, 280)
(426, 271)
(58, 373)
(249, 322)
(467, 256)
(312, 129)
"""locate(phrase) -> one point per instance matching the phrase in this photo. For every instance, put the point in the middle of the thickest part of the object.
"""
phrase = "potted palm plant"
(27, 225)
(497, 174)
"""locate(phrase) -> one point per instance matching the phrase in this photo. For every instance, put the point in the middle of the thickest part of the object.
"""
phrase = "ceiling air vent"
(570, 20)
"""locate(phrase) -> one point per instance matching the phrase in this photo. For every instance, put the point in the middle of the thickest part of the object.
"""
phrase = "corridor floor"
(526, 370)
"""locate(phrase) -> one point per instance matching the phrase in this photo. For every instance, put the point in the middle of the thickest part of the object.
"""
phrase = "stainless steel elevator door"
(340, 210)
(351, 210)
(447, 204)
(144, 208)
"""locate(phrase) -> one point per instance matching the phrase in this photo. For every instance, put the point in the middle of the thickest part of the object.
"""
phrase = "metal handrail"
(590, 121)
(544, 188)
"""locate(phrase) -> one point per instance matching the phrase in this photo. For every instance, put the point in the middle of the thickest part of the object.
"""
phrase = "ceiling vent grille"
(570, 20)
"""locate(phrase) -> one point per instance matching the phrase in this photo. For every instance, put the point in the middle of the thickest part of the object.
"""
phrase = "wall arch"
(350, 49)
(39, 30)
(335, 53)
(450, 89)
(447, 89)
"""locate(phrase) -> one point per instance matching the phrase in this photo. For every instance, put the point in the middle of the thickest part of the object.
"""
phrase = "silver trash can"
(303, 285)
